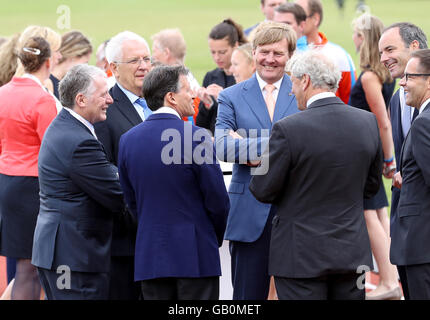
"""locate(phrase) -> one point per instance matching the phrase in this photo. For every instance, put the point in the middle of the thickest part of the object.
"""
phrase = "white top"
(319, 96)
(82, 120)
(424, 105)
(133, 98)
(167, 110)
(263, 83)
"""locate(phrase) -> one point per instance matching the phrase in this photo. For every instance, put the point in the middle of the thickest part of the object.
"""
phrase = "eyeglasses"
(136, 61)
(408, 75)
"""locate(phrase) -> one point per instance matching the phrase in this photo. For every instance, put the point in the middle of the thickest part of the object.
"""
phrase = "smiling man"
(249, 108)
(79, 193)
(411, 233)
(129, 59)
(396, 44)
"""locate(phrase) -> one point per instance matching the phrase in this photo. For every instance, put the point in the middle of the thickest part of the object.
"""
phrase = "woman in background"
(75, 49)
(242, 63)
(26, 110)
(372, 92)
(223, 39)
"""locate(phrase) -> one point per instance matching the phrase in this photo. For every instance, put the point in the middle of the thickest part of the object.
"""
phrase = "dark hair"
(315, 6)
(160, 81)
(423, 55)
(34, 53)
(409, 33)
(290, 7)
(230, 30)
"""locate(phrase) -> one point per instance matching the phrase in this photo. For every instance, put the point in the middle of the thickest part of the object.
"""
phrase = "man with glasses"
(314, 13)
(411, 235)
(129, 59)
(396, 44)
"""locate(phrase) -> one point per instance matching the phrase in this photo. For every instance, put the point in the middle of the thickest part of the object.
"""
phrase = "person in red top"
(26, 110)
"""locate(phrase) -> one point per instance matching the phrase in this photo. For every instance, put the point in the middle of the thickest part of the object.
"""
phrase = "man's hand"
(214, 90)
(397, 180)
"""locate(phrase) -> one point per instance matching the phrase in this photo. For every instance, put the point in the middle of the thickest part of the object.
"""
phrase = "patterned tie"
(146, 111)
(270, 101)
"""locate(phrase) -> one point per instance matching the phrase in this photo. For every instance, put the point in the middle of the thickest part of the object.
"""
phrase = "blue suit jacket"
(242, 107)
(398, 138)
(181, 208)
(79, 190)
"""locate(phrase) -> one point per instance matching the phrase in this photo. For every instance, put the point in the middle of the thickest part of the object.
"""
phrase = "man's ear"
(80, 100)
(305, 82)
(415, 45)
(114, 68)
(169, 99)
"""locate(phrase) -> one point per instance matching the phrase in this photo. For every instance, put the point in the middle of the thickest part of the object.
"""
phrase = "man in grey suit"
(411, 235)
(79, 190)
(321, 161)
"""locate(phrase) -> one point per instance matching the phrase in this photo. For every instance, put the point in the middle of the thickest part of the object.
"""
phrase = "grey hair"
(79, 79)
(114, 47)
(323, 72)
(409, 33)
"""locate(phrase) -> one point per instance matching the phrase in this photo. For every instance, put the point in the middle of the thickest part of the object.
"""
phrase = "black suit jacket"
(121, 117)
(79, 190)
(321, 162)
(207, 118)
(411, 235)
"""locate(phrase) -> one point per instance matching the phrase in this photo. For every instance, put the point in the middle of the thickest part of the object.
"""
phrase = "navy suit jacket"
(121, 117)
(398, 138)
(411, 233)
(242, 107)
(181, 207)
(79, 188)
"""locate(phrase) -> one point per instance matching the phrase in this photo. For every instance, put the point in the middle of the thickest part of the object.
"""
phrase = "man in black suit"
(79, 190)
(129, 59)
(409, 245)
(396, 44)
(321, 161)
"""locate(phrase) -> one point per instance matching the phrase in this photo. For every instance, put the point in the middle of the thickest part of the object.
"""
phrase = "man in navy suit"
(129, 59)
(411, 235)
(79, 191)
(396, 44)
(246, 114)
(175, 188)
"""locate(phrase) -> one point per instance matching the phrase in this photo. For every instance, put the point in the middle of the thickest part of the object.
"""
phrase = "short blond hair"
(173, 40)
(269, 32)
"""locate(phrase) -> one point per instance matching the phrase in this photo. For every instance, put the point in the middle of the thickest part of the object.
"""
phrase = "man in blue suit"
(175, 188)
(79, 192)
(396, 44)
(246, 114)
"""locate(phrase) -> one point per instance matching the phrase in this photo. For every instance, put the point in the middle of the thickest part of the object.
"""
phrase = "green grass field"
(101, 19)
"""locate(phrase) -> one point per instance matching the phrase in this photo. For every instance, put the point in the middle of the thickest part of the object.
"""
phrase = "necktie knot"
(146, 111)
(269, 88)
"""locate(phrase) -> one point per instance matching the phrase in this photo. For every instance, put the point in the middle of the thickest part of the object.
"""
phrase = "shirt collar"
(130, 95)
(319, 96)
(82, 120)
(424, 105)
(263, 83)
(34, 78)
(167, 110)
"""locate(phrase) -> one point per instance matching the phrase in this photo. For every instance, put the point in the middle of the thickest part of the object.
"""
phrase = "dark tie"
(146, 111)
(416, 112)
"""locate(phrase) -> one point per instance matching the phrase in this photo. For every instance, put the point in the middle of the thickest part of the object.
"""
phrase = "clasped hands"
(253, 163)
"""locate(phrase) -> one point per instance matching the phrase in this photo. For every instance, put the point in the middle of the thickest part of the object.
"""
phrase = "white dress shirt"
(319, 96)
(263, 83)
(84, 121)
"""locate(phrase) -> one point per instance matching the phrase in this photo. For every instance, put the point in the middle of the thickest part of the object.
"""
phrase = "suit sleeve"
(129, 195)
(276, 158)
(234, 150)
(420, 139)
(374, 177)
(211, 181)
(98, 178)
(104, 136)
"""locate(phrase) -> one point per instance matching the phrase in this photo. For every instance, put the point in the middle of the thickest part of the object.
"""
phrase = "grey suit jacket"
(321, 161)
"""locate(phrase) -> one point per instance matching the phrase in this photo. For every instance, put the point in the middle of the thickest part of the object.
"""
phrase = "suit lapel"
(285, 100)
(125, 106)
(254, 98)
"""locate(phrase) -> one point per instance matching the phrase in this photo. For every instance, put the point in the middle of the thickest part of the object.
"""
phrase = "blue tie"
(146, 111)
